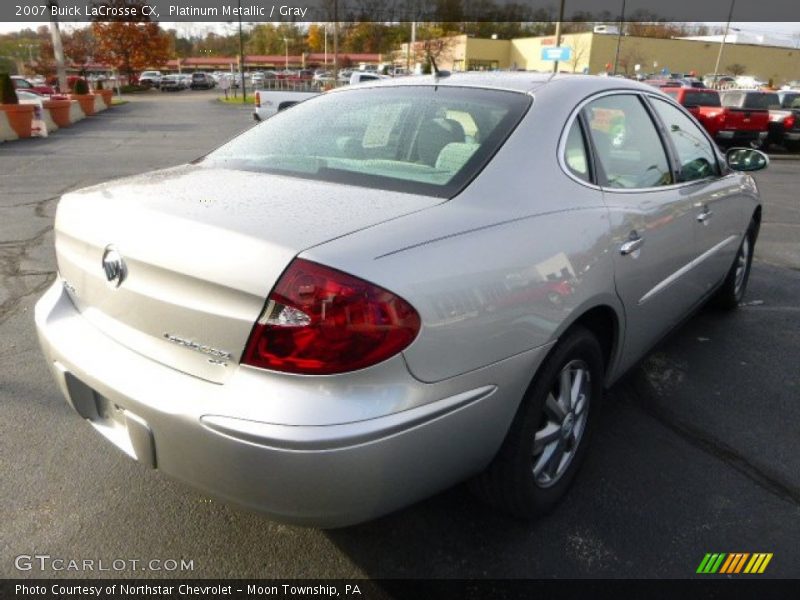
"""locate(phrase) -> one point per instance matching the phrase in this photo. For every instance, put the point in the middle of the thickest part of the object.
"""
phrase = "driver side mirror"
(746, 159)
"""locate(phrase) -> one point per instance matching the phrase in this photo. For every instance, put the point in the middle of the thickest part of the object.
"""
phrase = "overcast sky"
(783, 30)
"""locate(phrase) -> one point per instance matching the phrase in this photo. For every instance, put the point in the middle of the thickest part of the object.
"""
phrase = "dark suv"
(201, 81)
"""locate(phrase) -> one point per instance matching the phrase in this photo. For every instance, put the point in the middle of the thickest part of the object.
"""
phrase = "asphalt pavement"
(696, 450)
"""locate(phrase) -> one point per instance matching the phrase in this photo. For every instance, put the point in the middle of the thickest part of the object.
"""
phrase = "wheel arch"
(605, 319)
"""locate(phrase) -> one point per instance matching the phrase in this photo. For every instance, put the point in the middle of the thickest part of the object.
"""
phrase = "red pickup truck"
(729, 126)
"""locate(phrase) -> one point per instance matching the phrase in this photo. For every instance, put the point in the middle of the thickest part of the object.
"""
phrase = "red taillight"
(258, 100)
(788, 122)
(320, 321)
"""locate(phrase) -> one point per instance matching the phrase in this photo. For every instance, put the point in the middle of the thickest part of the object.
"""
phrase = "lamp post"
(286, 61)
(619, 38)
(722, 45)
(241, 54)
(558, 32)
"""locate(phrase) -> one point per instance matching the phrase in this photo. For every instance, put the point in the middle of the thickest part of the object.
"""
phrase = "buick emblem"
(114, 267)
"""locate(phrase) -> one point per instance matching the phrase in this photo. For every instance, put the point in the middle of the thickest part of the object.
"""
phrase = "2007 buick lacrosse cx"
(403, 285)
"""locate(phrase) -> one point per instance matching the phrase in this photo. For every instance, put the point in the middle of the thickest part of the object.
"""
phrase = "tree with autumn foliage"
(131, 44)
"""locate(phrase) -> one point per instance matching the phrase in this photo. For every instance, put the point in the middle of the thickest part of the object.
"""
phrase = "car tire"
(522, 480)
(793, 146)
(733, 289)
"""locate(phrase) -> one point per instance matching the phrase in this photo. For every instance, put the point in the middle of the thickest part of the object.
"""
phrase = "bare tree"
(736, 69)
(579, 50)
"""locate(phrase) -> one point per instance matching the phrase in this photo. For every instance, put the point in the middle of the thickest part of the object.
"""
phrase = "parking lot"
(696, 450)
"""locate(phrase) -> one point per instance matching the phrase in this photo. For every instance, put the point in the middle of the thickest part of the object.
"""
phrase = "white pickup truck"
(269, 102)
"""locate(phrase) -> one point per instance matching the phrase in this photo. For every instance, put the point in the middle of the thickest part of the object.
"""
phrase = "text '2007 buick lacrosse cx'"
(404, 285)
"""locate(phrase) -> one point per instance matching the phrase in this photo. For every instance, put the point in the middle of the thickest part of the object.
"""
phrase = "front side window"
(628, 146)
(697, 157)
(419, 139)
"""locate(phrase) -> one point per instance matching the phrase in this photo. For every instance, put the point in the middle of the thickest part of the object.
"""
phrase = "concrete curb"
(784, 156)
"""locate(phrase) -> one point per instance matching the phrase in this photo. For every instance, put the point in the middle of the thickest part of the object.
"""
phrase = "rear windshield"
(752, 100)
(694, 98)
(418, 139)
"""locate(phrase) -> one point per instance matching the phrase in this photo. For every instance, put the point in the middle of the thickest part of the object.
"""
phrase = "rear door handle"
(632, 245)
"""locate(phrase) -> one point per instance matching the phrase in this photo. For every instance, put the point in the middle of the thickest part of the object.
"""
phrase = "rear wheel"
(735, 285)
(547, 441)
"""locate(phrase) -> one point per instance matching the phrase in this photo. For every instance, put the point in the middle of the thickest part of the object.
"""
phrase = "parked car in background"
(201, 81)
(21, 83)
(172, 83)
(150, 78)
(727, 125)
(268, 103)
(719, 80)
(790, 102)
(354, 305)
(781, 121)
(363, 76)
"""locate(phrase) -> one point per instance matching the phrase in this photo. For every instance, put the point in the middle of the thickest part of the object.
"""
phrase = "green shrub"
(130, 89)
(7, 93)
(81, 87)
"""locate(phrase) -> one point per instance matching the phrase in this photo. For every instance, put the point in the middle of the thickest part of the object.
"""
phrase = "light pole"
(286, 61)
(558, 32)
(241, 54)
(722, 45)
(619, 37)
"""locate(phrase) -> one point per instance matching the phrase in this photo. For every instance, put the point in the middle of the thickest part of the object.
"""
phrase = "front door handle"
(704, 216)
(632, 245)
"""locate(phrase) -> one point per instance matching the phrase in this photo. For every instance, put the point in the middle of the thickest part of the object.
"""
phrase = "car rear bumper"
(740, 137)
(302, 472)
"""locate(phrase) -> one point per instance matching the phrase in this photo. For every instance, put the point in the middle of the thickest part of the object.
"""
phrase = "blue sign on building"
(559, 53)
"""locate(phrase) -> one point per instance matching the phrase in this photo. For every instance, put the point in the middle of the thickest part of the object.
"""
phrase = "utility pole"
(558, 33)
(722, 45)
(58, 49)
(335, 42)
(619, 37)
(241, 54)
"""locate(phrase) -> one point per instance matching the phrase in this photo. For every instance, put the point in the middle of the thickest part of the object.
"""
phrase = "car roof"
(518, 81)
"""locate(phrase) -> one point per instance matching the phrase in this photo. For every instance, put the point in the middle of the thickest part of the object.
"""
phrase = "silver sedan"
(390, 289)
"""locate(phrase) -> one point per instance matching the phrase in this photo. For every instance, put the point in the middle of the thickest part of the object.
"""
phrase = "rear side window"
(760, 101)
(732, 99)
(697, 157)
(418, 139)
(791, 101)
(575, 155)
(628, 145)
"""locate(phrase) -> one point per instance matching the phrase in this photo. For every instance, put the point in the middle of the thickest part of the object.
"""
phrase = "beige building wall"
(595, 51)
(683, 56)
(526, 52)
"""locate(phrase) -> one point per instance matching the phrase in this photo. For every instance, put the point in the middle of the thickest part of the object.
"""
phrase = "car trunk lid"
(202, 248)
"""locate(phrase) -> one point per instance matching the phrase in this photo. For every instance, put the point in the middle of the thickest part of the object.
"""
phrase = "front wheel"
(547, 441)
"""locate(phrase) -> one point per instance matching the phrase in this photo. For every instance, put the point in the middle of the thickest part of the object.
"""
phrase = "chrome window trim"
(562, 144)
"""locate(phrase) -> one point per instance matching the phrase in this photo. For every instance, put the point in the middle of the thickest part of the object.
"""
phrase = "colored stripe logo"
(734, 563)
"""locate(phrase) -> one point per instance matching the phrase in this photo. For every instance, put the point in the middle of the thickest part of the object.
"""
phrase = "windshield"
(418, 139)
